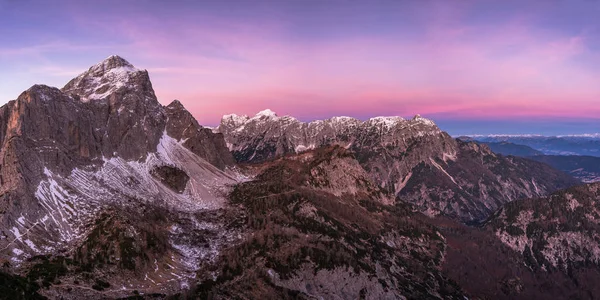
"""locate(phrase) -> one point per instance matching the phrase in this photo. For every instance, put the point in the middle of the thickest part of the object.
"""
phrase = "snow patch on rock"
(71, 202)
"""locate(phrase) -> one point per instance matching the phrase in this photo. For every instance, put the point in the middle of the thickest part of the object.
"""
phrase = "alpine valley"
(107, 194)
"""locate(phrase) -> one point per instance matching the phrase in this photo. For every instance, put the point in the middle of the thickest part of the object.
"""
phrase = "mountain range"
(583, 167)
(588, 144)
(506, 148)
(411, 159)
(107, 194)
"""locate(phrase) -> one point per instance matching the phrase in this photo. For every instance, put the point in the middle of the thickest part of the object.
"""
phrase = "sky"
(474, 67)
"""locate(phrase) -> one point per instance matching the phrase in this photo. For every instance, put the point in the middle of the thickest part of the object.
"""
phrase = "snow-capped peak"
(387, 120)
(102, 79)
(581, 135)
(265, 113)
(113, 62)
(342, 119)
(234, 119)
(233, 123)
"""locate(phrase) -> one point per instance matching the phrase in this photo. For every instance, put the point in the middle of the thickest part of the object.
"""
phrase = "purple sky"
(472, 66)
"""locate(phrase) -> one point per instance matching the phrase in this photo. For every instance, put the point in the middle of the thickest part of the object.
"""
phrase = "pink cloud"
(218, 66)
(362, 74)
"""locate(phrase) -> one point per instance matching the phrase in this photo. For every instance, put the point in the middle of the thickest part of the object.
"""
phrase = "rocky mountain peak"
(40, 91)
(387, 122)
(175, 104)
(263, 117)
(266, 113)
(419, 119)
(233, 120)
(112, 75)
(112, 62)
(344, 119)
(183, 127)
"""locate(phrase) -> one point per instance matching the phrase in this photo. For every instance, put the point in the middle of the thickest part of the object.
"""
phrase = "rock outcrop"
(182, 126)
(559, 232)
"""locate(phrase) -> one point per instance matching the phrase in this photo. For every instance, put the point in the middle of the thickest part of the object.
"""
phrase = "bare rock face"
(331, 169)
(172, 177)
(122, 103)
(478, 182)
(560, 232)
(412, 159)
(182, 126)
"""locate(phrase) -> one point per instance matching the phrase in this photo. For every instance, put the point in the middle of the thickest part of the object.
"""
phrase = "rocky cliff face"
(487, 268)
(412, 159)
(559, 232)
(68, 156)
(182, 126)
(478, 182)
(555, 238)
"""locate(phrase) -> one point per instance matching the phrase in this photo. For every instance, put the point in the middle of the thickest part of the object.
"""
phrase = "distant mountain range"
(583, 167)
(507, 148)
(588, 144)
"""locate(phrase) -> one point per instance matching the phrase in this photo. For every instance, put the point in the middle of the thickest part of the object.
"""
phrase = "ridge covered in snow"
(388, 122)
(503, 135)
(267, 115)
(103, 79)
(288, 134)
